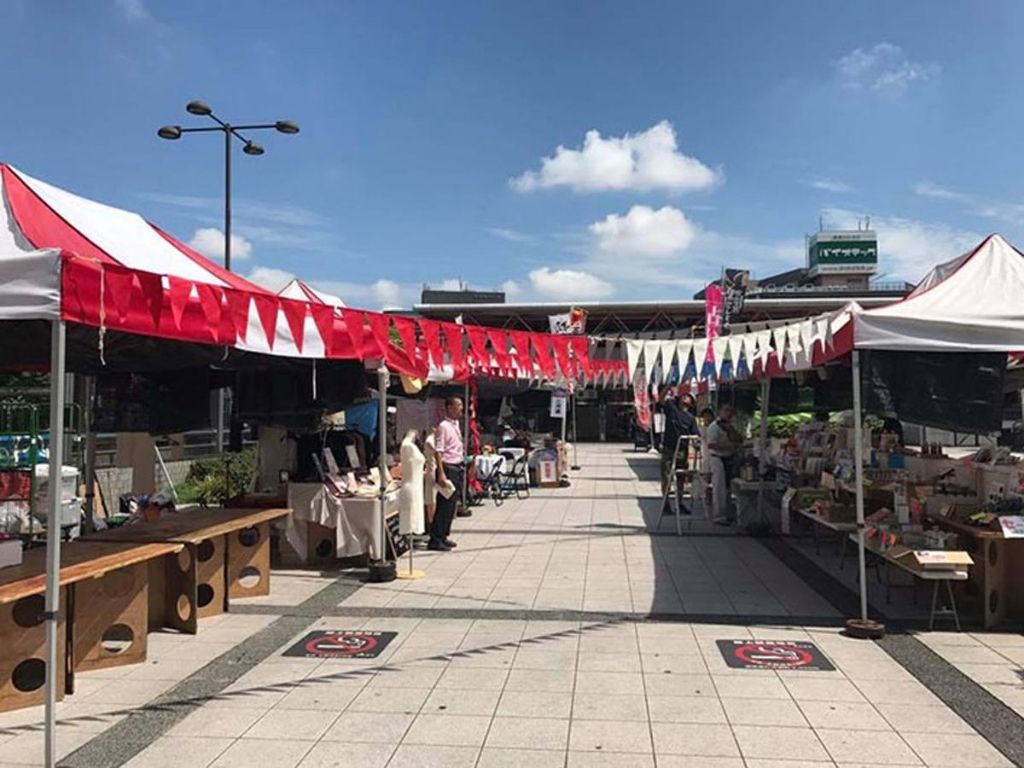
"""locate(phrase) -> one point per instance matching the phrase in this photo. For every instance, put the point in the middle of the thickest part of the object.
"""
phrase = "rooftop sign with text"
(850, 252)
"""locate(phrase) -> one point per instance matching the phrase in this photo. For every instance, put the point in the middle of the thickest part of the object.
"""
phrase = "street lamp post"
(175, 132)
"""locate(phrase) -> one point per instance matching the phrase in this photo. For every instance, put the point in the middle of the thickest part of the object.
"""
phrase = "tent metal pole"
(89, 385)
(575, 438)
(53, 530)
(858, 466)
(466, 448)
(762, 464)
(382, 460)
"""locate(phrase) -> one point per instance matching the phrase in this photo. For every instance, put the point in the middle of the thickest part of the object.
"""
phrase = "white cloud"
(829, 185)
(379, 294)
(635, 162)
(511, 288)
(210, 242)
(512, 235)
(908, 248)
(449, 284)
(272, 224)
(928, 189)
(644, 231)
(883, 68)
(270, 278)
(569, 284)
(132, 10)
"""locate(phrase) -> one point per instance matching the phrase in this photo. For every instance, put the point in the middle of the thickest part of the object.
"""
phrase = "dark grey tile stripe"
(127, 738)
(990, 717)
(540, 614)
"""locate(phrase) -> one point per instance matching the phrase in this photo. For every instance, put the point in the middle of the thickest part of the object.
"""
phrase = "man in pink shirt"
(451, 454)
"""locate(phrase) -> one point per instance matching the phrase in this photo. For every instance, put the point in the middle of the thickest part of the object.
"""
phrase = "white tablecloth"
(355, 520)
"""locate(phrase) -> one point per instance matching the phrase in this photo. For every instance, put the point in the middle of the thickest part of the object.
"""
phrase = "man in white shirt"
(722, 441)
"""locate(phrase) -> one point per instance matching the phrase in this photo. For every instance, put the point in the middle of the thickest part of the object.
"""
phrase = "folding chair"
(516, 480)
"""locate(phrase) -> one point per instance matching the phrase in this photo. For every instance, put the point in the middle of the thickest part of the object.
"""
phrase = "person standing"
(679, 423)
(451, 454)
(722, 443)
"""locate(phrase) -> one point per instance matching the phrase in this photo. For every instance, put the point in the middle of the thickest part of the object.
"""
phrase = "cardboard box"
(930, 559)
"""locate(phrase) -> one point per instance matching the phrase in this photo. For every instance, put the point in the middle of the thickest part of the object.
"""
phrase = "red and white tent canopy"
(297, 289)
(92, 265)
(970, 304)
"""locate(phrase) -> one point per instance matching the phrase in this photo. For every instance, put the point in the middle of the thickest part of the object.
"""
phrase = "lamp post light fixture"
(249, 147)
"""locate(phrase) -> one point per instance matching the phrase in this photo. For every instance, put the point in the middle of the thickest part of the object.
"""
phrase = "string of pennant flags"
(789, 346)
(112, 297)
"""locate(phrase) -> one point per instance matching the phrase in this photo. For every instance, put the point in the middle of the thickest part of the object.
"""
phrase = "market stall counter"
(226, 555)
(326, 525)
(104, 586)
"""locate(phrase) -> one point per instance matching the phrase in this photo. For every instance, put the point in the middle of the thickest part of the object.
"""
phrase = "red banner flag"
(581, 354)
(453, 343)
(431, 331)
(561, 346)
(478, 346)
(499, 343)
(542, 348)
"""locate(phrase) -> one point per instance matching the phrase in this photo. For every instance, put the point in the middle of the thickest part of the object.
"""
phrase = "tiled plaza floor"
(530, 645)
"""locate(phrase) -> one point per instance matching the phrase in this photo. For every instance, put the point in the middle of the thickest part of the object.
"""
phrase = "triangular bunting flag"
(238, 307)
(668, 356)
(700, 356)
(266, 308)
(720, 346)
(542, 348)
(431, 331)
(151, 287)
(634, 349)
(652, 353)
(355, 328)
(178, 292)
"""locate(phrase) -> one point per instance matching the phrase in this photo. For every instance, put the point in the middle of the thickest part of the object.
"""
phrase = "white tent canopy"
(970, 304)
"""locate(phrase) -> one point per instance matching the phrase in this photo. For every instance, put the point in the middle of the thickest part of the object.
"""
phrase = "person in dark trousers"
(679, 422)
(451, 454)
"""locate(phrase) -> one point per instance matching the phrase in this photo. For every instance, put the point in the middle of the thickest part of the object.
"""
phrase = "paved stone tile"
(691, 739)
(763, 712)
(415, 756)
(278, 753)
(923, 719)
(461, 702)
(292, 724)
(371, 727)
(960, 750)
(448, 730)
(741, 686)
(686, 709)
(328, 754)
(597, 736)
(527, 733)
(217, 723)
(179, 751)
(525, 704)
(853, 716)
(779, 743)
(867, 747)
(516, 758)
(610, 760)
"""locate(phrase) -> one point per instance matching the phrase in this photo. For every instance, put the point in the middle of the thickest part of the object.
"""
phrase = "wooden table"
(935, 575)
(226, 554)
(997, 581)
(842, 528)
(104, 589)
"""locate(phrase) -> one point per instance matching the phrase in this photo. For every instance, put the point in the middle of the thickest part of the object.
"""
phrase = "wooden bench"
(103, 622)
(226, 555)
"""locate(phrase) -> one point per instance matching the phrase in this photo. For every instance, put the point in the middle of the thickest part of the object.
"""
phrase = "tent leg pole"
(858, 465)
(466, 448)
(90, 454)
(575, 437)
(766, 390)
(382, 459)
(57, 368)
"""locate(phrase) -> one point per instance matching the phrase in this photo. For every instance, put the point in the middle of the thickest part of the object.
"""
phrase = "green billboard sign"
(844, 253)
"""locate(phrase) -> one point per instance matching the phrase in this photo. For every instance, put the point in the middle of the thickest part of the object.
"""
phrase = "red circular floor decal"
(341, 644)
(773, 654)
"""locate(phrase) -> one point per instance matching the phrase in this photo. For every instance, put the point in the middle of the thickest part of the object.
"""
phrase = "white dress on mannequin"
(410, 495)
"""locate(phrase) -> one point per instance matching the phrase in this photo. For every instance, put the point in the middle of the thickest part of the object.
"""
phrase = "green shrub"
(214, 479)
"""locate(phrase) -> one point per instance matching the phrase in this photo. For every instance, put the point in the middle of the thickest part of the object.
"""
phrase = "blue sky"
(693, 135)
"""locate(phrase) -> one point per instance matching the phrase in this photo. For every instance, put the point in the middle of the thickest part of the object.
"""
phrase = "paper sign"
(557, 406)
(1013, 526)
